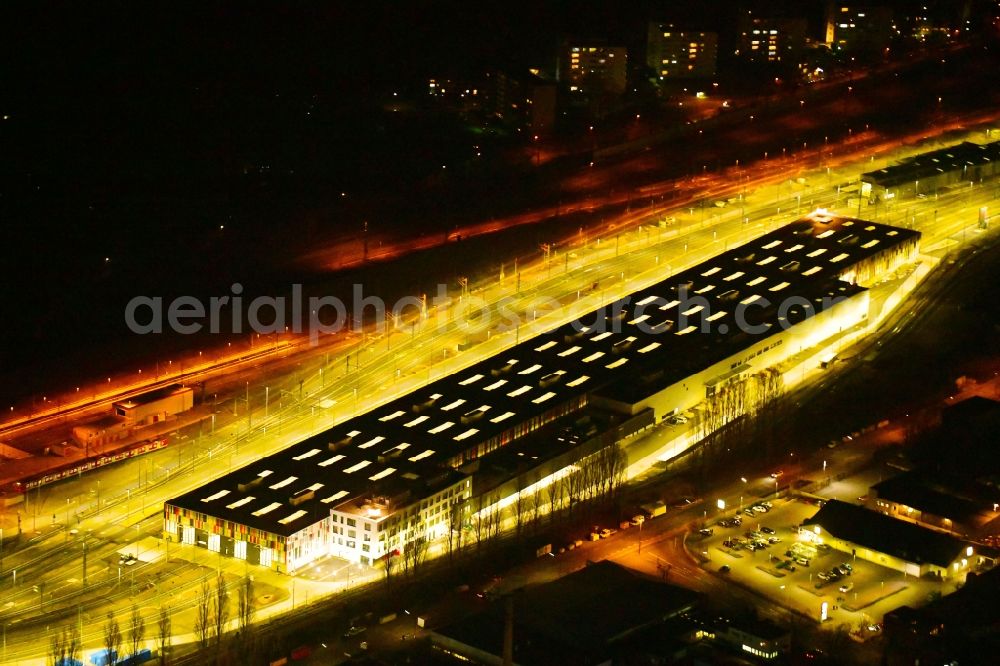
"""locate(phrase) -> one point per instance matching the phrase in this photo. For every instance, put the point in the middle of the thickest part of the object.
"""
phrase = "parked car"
(801, 561)
(706, 531)
(767, 530)
(846, 569)
(759, 509)
(354, 630)
(846, 588)
(773, 540)
(606, 532)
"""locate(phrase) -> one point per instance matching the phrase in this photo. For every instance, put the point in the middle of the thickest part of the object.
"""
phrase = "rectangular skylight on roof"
(281, 484)
(815, 253)
(750, 299)
(839, 257)
(395, 414)
(330, 461)
(381, 475)
(520, 391)
(453, 405)
(671, 304)
(470, 380)
(687, 330)
(756, 281)
(314, 487)
(779, 286)
(647, 300)
(292, 517)
(774, 243)
(334, 497)
(711, 271)
(266, 473)
(465, 435)
(267, 509)
(420, 456)
(416, 421)
(870, 244)
(354, 433)
(308, 454)
(690, 311)
(718, 315)
(543, 397)
(529, 370)
(639, 319)
(372, 442)
(765, 262)
(737, 274)
(825, 234)
(495, 385)
(240, 502)
(218, 495)
(579, 380)
(360, 465)
(548, 345)
(593, 357)
(501, 417)
(617, 364)
(814, 269)
(441, 428)
(567, 352)
(794, 248)
(648, 348)
(600, 336)
(704, 290)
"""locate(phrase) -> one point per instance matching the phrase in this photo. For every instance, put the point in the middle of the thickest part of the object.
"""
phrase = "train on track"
(80, 467)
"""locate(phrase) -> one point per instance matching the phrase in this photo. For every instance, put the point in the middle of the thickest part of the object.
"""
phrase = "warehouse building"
(928, 173)
(395, 476)
(895, 544)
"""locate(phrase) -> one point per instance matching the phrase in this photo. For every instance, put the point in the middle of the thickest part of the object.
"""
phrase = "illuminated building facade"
(681, 54)
(594, 69)
(771, 40)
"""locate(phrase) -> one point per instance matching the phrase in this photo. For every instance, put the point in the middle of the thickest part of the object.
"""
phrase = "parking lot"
(764, 553)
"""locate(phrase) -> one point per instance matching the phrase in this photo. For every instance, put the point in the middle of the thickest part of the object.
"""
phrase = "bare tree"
(203, 614)
(163, 634)
(136, 629)
(220, 609)
(64, 647)
(112, 638)
(455, 515)
(245, 605)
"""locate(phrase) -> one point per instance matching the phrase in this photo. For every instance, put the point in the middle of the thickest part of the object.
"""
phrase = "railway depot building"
(928, 173)
(374, 484)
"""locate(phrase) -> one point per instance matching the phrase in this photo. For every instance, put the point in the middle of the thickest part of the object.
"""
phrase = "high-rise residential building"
(771, 40)
(590, 68)
(852, 28)
(681, 54)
